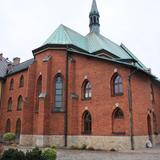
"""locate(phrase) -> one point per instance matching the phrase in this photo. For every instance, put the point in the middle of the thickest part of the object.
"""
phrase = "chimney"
(16, 61)
(1, 56)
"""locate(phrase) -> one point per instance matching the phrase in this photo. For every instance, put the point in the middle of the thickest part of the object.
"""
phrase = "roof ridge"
(72, 30)
(64, 29)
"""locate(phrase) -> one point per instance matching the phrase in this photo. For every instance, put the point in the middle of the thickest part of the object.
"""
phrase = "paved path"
(149, 154)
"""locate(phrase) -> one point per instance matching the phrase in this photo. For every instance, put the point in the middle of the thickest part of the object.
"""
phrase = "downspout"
(130, 108)
(66, 102)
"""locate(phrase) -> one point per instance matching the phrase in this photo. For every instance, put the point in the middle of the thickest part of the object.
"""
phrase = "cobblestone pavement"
(150, 154)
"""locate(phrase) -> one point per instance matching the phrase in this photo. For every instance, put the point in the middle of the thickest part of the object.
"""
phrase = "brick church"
(80, 90)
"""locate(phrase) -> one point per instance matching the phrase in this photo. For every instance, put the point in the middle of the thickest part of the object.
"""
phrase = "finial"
(94, 18)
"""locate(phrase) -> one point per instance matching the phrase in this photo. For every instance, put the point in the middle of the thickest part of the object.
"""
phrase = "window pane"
(90, 94)
(58, 98)
(120, 88)
(58, 85)
(116, 89)
(58, 91)
(58, 104)
(86, 95)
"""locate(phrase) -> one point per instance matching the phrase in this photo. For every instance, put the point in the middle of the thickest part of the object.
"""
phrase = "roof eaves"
(111, 60)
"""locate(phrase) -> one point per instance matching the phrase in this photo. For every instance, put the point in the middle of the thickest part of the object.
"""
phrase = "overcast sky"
(26, 24)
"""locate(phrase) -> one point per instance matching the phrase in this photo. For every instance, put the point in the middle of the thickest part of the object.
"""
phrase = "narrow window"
(8, 126)
(11, 84)
(38, 92)
(154, 123)
(118, 122)
(117, 85)
(118, 114)
(87, 123)
(58, 93)
(9, 109)
(18, 128)
(21, 81)
(20, 103)
(86, 90)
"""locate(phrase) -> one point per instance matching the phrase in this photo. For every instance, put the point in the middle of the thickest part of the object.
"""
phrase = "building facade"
(80, 90)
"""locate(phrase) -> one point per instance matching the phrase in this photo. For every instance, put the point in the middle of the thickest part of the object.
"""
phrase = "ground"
(68, 154)
(146, 154)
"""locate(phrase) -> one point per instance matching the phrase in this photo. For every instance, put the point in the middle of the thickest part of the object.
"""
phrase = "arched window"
(18, 128)
(38, 92)
(58, 93)
(8, 126)
(118, 122)
(117, 85)
(154, 123)
(118, 114)
(21, 81)
(86, 90)
(20, 103)
(87, 123)
(9, 105)
(11, 84)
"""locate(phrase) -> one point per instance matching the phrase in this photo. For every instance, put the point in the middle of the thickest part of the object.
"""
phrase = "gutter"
(66, 101)
(130, 108)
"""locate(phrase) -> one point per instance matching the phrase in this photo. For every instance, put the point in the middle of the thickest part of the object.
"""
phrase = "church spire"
(94, 18)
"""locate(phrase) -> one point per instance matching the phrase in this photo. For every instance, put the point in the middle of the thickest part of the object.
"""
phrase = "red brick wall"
(15, 93)
(101, 105)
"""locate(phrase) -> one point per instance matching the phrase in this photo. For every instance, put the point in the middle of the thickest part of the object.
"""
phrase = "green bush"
(84, 146)
(35, 154)
(53, 147)
(13, 154)
(9, 137)
(49, 154)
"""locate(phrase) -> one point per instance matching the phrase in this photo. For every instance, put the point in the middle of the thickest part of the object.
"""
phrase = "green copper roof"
(94, 9)
(64, 35)
(90, 43)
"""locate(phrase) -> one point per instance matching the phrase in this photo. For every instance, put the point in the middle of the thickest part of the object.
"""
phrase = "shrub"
(84, 146)
(9, 137)
(49, 154)
(13, 154)
(35, 154)
(53, 147)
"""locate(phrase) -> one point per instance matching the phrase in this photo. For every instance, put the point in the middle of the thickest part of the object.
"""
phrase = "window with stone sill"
(87, 123)
(21, 81)
(58, 91)
(9, 108)
(116, 85)
(11, 84)
(86, 90)
(19, 103)
(38, 92)
(8, 126)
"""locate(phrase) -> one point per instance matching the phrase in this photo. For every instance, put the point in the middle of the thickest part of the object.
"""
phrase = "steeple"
(94, 18)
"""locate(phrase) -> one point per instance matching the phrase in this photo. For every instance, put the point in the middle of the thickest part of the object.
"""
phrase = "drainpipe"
(130, 107)
(66, 102)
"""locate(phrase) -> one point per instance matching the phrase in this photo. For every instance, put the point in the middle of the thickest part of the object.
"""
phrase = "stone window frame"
(21, 81)
(20, 103)
(117, 83)
(10, 104)
(86, 90)
(58, 92)
(87, 123)
(11, 87)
